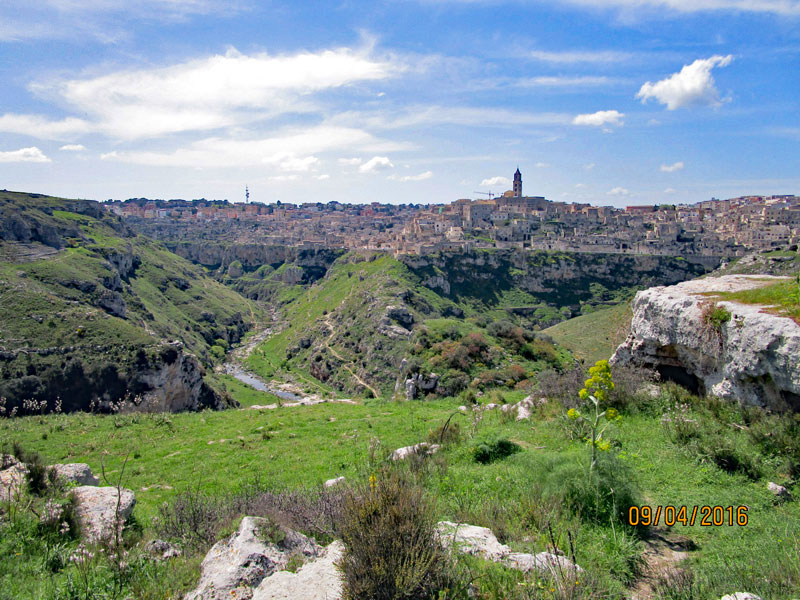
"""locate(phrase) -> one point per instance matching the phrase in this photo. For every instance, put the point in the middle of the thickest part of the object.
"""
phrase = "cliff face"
(752, 357)
(175, 384)
(561, 279)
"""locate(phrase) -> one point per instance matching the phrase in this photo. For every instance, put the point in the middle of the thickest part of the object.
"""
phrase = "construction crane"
(490, 194)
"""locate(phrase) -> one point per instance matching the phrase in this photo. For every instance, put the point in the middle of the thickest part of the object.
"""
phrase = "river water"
(259, 384)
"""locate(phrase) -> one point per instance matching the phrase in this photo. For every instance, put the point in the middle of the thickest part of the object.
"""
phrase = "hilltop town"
(730, 227)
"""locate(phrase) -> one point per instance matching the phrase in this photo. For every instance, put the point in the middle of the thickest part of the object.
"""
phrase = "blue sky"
(612, 102)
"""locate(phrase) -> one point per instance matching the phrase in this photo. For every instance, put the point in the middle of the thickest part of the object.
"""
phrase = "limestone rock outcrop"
(318, 579)
(751, 357)
(78, 473)
(481, 541)
(421, 449)
(96, 510)
(236, 566)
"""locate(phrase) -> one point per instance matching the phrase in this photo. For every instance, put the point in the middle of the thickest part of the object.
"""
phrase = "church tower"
(517, 184)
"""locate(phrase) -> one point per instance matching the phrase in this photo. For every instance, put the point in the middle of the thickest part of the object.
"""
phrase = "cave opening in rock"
(681, 376)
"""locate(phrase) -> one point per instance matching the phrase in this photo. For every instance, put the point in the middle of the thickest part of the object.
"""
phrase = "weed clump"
(490, 451)
(391, 550)
(600, 495)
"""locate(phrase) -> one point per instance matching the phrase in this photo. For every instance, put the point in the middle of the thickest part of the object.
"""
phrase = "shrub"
(489, 451)
(605, 493)
(563, 386)
(391, 551)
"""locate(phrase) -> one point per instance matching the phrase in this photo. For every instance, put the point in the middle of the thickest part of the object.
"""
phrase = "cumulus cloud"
(692, 86)
(350, 162)
(32, 154)
(495, 181)
(672, 168)
(601, 118)
(376, 163)
(618, 191)
(73, 147)
(198, 95)
(420, 177)
(322, 177)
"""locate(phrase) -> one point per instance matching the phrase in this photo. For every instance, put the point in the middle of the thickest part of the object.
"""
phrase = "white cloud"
(670, 191)
(562, 82)
(541, 165)
(781, 7)
(44, 128)
(32, 154)
(417, 115)
(589, 166)
(232, 152)
(283, 178)
(73, 147)
(495, 181)
(376, 163)
(322, 177)
(578, 56)
(200, 94)
(618, 191)
(580, 186)
(672, 168)
(600, 119)
(692, 86)
(289, 162)
(106, 21)
(420, 177)
(350, 162)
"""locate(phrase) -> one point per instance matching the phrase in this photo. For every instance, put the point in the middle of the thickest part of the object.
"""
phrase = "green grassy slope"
(74, 277)
(594, 336)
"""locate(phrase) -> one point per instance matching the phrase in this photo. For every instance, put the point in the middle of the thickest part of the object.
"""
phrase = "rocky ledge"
(750, 356)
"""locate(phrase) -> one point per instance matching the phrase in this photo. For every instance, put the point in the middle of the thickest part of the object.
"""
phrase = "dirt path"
(345, 362)
(663, 553)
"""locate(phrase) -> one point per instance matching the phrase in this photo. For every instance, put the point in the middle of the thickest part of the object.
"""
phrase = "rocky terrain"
(731, 350)
(97, 317)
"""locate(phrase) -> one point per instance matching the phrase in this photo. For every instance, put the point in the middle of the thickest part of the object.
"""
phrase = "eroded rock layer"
(750, 356)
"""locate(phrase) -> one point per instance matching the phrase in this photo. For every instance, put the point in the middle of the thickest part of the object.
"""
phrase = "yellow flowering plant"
(596, 391)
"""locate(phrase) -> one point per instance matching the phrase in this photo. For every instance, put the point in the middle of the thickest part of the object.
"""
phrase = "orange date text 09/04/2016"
(705, 516)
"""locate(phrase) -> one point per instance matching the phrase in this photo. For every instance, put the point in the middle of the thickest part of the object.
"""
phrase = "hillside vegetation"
(369, 324)
(88, 305)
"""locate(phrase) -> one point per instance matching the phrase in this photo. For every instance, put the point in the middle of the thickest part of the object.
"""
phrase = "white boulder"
(318, 579)
(481, 541)
(235, 566)
(78, 473)
(422, 449)
(101, 510)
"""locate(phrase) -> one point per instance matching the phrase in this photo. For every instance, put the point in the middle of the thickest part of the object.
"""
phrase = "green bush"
(391, 552)
(489, 451)
(600, 495)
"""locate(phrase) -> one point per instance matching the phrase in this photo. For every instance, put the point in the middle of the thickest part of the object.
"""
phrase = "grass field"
(519, 497)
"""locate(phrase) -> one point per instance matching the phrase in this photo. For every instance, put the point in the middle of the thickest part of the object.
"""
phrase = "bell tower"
(517, 184)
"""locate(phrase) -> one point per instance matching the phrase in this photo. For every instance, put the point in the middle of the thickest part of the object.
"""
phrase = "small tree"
(596, 389)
